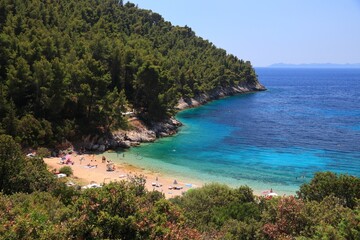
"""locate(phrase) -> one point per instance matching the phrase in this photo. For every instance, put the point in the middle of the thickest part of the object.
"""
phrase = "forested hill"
(69, 66)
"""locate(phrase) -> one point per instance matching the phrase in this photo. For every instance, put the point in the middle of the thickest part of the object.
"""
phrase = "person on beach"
(91, 166)
(103, 159)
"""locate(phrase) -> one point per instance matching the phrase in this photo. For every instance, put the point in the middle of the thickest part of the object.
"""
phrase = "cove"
(306, 122)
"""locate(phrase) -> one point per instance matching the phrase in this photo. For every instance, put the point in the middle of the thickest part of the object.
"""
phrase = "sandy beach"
(91, 168)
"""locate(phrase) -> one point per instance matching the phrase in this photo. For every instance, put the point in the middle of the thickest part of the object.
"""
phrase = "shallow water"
(307, 121)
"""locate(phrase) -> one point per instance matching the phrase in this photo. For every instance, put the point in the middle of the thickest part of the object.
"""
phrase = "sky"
(271, 31)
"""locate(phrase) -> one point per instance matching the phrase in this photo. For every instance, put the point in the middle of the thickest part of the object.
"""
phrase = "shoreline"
(219, 93)
(89, 169)
(143, 134)
(84, 175)
(192, 175)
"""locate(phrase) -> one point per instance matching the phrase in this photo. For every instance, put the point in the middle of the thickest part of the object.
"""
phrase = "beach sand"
(84, 174)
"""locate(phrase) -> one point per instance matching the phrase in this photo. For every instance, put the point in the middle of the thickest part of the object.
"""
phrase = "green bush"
(66, 170)
(43, 152)
(125, 210)
(214, 204)
(344, 187)
(11, 163)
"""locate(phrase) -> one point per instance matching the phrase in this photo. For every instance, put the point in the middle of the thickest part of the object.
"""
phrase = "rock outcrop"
(218, 93)
(140, 132)
(129, 138)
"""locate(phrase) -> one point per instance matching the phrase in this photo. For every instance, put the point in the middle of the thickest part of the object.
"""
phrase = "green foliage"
(288, 220)
(118, 211)
(125, 210)
(66, 170)
(214, 204)
(67, 129)
(329, 219)
(11, 163)
(43, 152)
(288, 217)
(137, 184)
(344, 187)
(111, 209)
(34, 176)
(114, 105)
(234, 229)
(33, 132)
(70, 67)
(18, 174)
(34, 216)
(64, 193)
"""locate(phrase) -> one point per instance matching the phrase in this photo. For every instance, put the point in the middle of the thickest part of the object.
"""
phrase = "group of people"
(66, 159)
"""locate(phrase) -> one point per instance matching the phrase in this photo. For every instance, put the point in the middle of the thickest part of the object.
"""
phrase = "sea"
(307, 121)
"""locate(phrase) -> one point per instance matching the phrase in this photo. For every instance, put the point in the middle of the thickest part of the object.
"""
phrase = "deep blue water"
(307, 121)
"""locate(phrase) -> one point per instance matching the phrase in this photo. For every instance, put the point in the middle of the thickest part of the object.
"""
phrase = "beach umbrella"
(265, 192)
(272, 194)
(68, 157)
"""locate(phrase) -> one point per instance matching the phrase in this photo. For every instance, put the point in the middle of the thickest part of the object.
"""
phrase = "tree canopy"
(68, 67)
(21, 174)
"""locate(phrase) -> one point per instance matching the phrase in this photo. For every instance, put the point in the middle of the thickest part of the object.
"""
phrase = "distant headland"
(315, 65)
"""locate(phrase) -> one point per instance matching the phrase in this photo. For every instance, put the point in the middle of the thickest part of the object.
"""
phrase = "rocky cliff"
(218, 93)
(141, 132)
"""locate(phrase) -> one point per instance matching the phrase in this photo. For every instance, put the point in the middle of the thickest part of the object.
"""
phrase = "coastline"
(192, 175)
(142, 134)
(84, 175)
(218, 93)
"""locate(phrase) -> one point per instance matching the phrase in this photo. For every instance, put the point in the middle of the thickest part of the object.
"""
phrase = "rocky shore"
(218, 93)
(140, 132)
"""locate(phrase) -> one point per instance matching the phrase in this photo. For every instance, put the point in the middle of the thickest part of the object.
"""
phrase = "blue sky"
(271, 31)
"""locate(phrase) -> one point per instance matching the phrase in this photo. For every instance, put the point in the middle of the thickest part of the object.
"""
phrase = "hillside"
(73, 67)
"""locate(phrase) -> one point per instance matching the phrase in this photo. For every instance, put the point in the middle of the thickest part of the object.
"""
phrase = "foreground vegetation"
(35, 205)
(69, 67)
(72, 67)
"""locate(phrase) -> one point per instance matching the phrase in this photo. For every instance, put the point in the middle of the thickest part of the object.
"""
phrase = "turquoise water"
(307, 121)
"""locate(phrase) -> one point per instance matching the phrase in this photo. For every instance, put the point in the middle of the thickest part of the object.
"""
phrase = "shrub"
(66, 170)
(202, 206)
(34, 132)
(344, 187)
(43, 152)
(11, 163)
